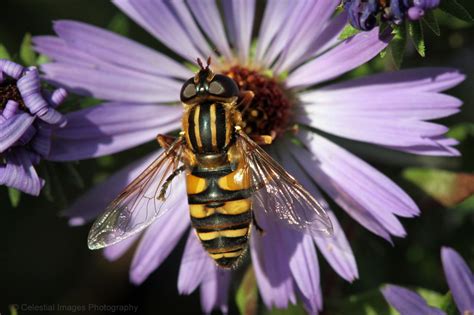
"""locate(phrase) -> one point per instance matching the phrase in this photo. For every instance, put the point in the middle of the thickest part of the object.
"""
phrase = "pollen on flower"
(9, 91)
(270, 111)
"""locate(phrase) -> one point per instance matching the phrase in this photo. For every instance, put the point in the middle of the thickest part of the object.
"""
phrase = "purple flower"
(27, 118)
(363, 13)
(460, 281)
(297, 51)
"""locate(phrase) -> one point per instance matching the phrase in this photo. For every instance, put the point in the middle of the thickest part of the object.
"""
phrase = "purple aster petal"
(439, 146)
(117, 250)
(11, 108)
(240, 17)
(306, 34)
(215, 290)
(346, 56)
(408, 302)
(212, 24)
(416, 80)
(273, 18)
(11, 68)
(362, 210)
(329, 36)
(105, 129)
(338, 252)
(41, 143)
(29, 86)
(92, 203)
(160, 239)
(305, 269)
(19, 173)
(460, 280)
(271, 263)
(166, 28)
(115, 49)
(291, 23)
(195, 260)
(113, 83)
(194, 33)
(13, 128)
(335, 249)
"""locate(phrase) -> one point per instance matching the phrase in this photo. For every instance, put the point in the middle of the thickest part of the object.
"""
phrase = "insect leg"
(165, 141)
(246, 98)
(168, 181)
(254, 222)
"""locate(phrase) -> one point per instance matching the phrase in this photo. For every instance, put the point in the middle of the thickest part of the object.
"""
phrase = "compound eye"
(189, 91)
(216, 88)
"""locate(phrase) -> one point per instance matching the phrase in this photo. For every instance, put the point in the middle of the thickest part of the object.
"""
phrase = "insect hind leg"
(168, 181)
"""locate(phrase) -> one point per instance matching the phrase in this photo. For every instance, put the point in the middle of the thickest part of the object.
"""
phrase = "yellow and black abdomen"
(220, 208)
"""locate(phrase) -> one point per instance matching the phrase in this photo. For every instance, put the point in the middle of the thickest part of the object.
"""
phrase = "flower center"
(269, 113)
(9, 91)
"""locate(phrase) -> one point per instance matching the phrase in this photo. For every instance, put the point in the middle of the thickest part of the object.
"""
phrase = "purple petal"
(439, 146)
(215, 290)
(273, 18)
(329, 36)
(159, 240)
(460, 280)
(115, 49)
(11, 108)
(408, 302)
(92, 203)
(212, 24)
(115, 84)
(361, 199)
(11, 68)
(19, 172)
(29, 86)
(271, 263)
(348, 55)
(194, 261)
(166, 28)
(338, 252)
(110, 128)
(240, 16)
(13, 128)
(305, 269)
(335, 249)
(291, 23)
(416, 80)
(41, 143)
(306, 34)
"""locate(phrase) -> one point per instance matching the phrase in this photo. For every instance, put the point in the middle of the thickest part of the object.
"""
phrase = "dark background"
(43, 261)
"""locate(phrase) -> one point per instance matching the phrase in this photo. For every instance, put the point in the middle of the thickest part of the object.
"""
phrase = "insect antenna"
(200, 63)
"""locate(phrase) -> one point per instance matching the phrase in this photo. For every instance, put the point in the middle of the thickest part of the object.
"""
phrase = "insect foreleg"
(168, 181)
(165, 141)
(246, 98)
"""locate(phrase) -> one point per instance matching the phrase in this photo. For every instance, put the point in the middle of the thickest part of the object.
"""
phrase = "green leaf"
(398, 45)
(448, 188)
(461, 131)
(415, 29)
(120, 24)
(448, 305)
(15, 196)
(42, 59)
(366, 303)
(432, 22)
(4, 54)
(292, 309)
(27, 54)
(247, 294)
(348, 31)
(454, 8)
(13, 310)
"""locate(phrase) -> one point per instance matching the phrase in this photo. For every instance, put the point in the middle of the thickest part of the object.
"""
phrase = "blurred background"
(43, 261)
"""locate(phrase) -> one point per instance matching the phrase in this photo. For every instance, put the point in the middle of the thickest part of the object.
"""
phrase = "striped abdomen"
(207, 128)
(221, 210)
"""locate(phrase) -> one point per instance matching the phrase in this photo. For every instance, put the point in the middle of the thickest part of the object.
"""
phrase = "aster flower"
(460, 281)
(296, 52)
(27, 118)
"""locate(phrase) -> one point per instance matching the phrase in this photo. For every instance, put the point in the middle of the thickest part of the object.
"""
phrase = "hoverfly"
(228, 177)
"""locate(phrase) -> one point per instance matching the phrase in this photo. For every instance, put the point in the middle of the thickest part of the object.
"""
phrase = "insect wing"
(138, 205)
(279, 195)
